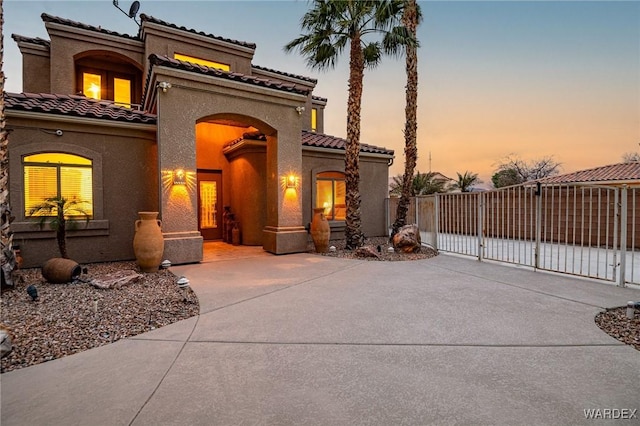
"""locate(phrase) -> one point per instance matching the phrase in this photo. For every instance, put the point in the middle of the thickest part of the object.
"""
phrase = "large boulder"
(407, 239)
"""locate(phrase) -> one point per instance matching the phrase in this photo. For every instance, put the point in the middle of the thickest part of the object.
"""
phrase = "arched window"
(330, 194)
(57, 175)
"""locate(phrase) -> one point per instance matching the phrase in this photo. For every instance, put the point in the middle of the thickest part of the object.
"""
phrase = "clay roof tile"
(318, 140)
(73, 105)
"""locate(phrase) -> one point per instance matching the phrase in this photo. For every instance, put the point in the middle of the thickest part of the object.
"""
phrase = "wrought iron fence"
(589, 231)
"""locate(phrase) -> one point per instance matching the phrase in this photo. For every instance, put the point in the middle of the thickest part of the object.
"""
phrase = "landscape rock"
(116, 279)
(366, 251)
(407, 240)
(5, 342)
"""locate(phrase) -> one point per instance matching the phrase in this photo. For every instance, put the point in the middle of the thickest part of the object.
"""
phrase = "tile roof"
(299, 77)
(54, 19)
(242, 78)
(611, 173)
(318, 98)
(147, 18)
(33, 40)
(76, 106)
(318, 140)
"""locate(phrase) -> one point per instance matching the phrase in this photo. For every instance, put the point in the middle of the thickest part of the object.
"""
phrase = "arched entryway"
(231, 161)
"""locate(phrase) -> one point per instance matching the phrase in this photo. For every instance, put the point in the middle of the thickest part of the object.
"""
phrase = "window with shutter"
(54, 174)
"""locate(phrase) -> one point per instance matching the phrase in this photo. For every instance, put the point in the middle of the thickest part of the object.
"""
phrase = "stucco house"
(177, 121)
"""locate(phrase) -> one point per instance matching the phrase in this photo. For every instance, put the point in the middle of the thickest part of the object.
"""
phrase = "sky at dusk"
(531, 79)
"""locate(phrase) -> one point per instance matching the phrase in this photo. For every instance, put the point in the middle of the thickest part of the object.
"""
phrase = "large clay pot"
(320, 230)
(59, 270)
(148, 243)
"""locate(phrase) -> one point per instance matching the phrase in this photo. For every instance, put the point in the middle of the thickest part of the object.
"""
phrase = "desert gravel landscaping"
(70, 318)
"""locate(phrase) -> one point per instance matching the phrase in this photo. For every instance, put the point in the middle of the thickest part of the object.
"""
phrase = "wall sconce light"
(164, 85)
(292, 181)
(300, 110)
(179, 177)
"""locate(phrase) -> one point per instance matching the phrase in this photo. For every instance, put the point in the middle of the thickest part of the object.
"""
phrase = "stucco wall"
(36, 75)
(166, 41)
(124, 181)
(68, 43)
(374, 174)
(248, 195)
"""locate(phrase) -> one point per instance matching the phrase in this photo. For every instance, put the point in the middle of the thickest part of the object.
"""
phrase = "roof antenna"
(133, 10)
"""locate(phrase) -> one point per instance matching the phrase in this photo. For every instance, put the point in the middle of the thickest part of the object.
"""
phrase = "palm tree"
(421, 184)
(466, 181)
(329, 27)
(57, 210)
(6, 254)
(410, 18)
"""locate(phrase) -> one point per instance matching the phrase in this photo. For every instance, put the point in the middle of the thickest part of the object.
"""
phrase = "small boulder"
(5, 341)
(116, 279)
(366, 251)
(407, 240)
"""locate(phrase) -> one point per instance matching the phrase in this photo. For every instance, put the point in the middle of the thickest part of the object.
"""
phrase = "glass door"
(210, 204)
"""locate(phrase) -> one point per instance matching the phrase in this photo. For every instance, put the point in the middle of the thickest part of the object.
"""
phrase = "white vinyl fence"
(589, 231)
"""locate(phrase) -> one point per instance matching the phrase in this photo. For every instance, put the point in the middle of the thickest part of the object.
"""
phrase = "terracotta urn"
(320, 230)
(148, 243)
(59, 270)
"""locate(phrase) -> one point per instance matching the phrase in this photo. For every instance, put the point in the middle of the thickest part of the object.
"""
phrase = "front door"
(210, 204)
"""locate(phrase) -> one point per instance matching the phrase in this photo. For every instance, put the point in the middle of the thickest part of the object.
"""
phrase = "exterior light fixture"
(183, 284)
(32, 291)
(292, 181)
(300, 110)
(179, 177)
(164, 85)
(631, 308)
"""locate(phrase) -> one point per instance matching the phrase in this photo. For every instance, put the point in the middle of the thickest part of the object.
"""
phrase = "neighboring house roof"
(33, 40)
(440, 176)
(286, 74)
(57, 20)
(242, 78)
(147, 18)
(318, 140)
(621, 172)
(76, 106)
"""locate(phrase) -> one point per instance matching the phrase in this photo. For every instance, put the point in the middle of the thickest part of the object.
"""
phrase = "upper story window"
(107, 85)
(330, 194)
(314, 119)
(113, 80)
(199, 61)
(57, 175)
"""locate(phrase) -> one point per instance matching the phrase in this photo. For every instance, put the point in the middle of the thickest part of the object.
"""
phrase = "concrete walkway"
(305, 339)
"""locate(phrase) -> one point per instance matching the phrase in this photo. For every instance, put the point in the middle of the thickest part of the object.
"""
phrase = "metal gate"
(587, 231)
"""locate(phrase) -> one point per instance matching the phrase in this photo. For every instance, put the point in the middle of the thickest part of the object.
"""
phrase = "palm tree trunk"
(6, 253)
(353, 226)
(410, 20)
(61, 234)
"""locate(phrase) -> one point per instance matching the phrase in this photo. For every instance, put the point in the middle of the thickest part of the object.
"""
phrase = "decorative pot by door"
(320, 230)
(148, 243)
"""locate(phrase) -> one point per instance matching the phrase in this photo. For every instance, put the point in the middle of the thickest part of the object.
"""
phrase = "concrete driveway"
(305, 339)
